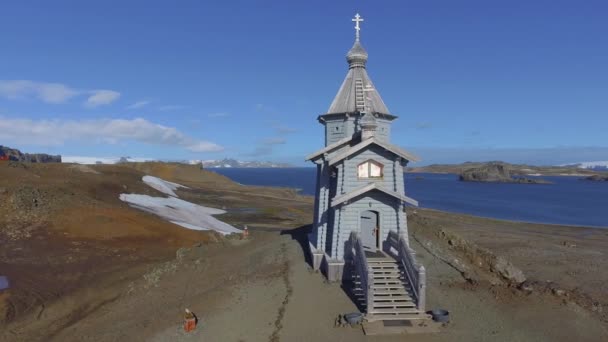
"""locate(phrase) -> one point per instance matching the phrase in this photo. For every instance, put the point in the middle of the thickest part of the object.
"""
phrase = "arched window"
(369, 169)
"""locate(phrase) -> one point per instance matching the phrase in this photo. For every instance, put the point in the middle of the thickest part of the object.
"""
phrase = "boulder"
(509, 272)
(597, 178)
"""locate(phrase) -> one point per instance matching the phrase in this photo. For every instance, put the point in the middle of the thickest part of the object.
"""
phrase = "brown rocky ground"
(85, 267)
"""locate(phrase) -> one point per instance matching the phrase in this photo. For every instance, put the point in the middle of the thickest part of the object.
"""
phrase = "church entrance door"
(370, 229)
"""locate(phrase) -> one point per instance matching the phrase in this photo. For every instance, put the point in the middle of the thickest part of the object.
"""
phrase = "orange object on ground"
(190, 324)
(189, 321)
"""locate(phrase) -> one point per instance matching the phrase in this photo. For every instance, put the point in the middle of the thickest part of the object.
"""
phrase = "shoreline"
(265, 278)
(557, 225)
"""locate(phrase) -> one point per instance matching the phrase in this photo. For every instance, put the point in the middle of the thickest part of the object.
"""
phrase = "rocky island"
(597, 178)
(496, 173)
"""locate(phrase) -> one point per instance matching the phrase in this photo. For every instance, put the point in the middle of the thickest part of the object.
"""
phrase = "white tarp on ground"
(163, 186)
(180, 212)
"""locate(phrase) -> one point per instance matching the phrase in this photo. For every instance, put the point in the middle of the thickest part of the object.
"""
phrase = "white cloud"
(109, 131)
(102, 97)
(46, 92)
(53, 93)
(138, 104)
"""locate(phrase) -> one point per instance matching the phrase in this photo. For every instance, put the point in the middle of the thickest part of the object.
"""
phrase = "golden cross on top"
(357, 19)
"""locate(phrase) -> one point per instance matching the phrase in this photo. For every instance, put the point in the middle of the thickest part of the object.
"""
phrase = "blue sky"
(521, 81)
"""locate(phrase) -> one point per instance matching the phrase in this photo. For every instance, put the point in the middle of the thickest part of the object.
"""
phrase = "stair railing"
(361, 268)
(415, 273)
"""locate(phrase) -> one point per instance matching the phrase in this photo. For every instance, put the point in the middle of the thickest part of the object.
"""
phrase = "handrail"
(361, 267)
(415, 273)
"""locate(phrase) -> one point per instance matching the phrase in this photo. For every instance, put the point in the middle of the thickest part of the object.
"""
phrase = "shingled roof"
(357, 93)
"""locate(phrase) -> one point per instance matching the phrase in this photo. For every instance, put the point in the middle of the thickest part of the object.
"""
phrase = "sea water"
(568, 201)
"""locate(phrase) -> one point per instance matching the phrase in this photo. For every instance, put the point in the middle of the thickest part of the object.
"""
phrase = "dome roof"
(356, 56)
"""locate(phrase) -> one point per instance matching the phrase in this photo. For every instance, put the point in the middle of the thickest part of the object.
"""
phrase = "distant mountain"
(229, 162)
(16, 155)
(102, 160)
(594, 165)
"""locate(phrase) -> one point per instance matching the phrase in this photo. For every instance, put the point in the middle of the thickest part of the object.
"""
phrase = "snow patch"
(178, 211)
(166, 187)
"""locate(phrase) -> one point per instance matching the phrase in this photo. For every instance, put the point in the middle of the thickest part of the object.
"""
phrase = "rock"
(526, 287)
(17, 156)
(568, 244)
(181, 253)
(496, 172)
(558, 292)
(511, 273)
(597, 178)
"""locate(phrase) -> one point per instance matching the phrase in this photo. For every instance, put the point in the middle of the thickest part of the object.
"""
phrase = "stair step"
(388, 286)
(400, 317)
(390, 299)
(380, 271)
(389, 277)
(385, 268)
(393, 305)
(394, 311)
(380, 260)
(386, 292)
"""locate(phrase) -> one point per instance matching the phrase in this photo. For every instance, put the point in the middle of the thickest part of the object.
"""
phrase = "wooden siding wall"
(383, 131)
(347, 219)
(392, 178)
(314, 234)
(322, 195)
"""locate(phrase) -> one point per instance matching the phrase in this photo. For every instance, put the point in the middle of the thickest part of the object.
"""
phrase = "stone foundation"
(334, 269)
(316, 257)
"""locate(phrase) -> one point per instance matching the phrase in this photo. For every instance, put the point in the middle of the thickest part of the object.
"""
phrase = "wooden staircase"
(391, 296)
(390, 287)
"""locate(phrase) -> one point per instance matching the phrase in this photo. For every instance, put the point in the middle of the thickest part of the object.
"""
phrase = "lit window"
(369, 169)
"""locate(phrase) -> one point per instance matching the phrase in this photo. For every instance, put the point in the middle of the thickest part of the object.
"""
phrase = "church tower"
(360, 180)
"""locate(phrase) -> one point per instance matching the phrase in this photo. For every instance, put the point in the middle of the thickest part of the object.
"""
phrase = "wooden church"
(359, 221)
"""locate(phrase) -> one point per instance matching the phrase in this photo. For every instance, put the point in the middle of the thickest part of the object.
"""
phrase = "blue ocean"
(568, 201)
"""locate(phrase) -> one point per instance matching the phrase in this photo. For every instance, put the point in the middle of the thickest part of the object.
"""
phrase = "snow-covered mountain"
(228, 162)
(593, 165)
(101, 160)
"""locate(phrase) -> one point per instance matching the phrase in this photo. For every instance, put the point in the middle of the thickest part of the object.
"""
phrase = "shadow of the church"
(348, 285)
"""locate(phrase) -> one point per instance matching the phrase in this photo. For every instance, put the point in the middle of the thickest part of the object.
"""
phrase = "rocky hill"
(514, 169)
(16, 155)
(497, 173)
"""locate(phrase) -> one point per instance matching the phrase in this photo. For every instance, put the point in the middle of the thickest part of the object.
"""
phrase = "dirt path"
(263, 290)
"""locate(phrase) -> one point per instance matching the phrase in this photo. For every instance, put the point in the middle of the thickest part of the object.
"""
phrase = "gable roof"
(370, 187)
(386, 145)
(329, 148)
